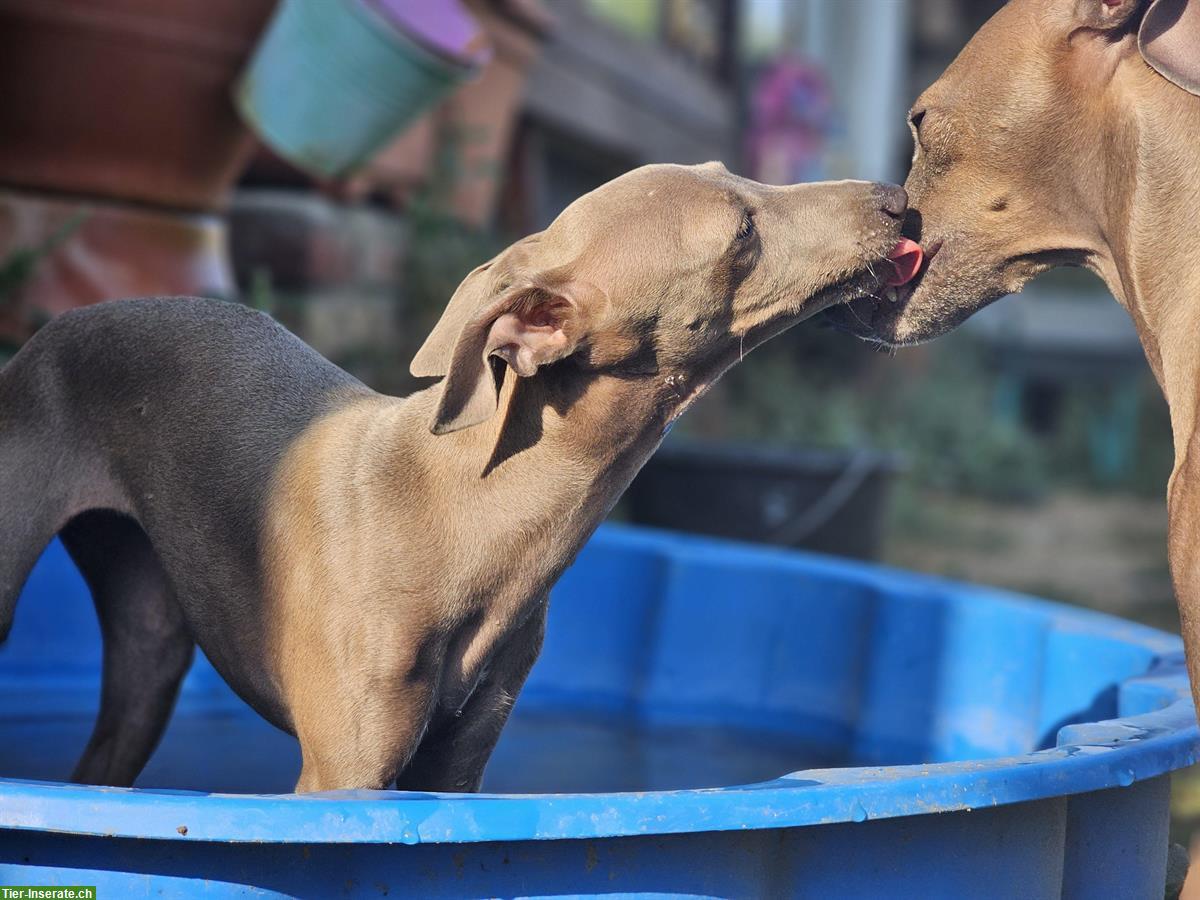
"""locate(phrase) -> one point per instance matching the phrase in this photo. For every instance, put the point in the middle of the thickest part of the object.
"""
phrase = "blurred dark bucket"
(830, 501)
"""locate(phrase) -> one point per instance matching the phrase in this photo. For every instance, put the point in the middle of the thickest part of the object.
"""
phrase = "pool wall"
(974, 719)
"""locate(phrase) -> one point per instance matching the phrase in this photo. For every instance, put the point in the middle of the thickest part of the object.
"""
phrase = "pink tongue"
(906, 259)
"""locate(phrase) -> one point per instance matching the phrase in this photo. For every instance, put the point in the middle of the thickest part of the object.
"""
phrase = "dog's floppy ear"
(1170, 41)
(525, 327)
(1168, 35)
(433, 359)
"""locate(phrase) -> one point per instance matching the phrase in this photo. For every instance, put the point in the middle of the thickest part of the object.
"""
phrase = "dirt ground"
(1106, 552)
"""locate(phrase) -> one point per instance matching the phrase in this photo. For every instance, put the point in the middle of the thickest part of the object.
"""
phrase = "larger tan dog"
(1068, 133)
(371, 573)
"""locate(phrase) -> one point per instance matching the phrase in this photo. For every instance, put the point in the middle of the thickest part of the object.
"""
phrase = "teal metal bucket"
(332, 81)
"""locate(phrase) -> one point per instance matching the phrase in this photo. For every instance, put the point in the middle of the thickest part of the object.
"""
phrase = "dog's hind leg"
(39, 471)
(147, 646)
(33, 506)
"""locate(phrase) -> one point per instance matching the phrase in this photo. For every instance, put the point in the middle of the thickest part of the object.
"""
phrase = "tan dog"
(1068, 133)
(371, 573)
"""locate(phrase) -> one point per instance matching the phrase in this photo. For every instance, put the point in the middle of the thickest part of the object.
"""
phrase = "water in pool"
(241, 753)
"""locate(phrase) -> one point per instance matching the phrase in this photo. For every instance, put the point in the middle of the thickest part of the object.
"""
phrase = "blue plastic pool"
(706, 720)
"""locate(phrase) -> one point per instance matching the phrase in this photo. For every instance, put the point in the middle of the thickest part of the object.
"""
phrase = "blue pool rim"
(1156, 733)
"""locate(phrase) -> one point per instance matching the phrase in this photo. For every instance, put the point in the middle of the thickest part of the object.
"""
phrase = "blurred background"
(148, 147)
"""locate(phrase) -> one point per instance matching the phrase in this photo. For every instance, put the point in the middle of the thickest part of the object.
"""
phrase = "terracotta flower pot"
(125, 99)
(87, 252)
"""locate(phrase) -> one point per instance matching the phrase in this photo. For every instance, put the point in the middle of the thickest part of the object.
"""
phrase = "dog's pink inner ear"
(526, 339)
(1105, 14)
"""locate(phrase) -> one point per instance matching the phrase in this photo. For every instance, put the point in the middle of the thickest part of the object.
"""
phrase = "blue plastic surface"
(706, 719)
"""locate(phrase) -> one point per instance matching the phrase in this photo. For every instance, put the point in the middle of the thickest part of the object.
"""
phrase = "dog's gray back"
(177, 411)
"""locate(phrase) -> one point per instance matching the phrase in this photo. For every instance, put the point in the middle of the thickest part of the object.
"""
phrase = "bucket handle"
(818, 513)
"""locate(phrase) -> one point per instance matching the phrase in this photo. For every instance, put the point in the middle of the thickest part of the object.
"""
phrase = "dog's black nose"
(892, 199)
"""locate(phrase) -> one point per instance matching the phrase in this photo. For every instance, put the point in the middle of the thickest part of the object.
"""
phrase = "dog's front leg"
(362, 740)
(453, 755)
(1183, 504)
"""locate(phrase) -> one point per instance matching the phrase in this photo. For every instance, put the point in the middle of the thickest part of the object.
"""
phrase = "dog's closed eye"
(745, 249)
(745, 227)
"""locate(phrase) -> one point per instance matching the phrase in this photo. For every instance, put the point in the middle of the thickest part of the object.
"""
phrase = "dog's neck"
(532, 483)
(1153, 223)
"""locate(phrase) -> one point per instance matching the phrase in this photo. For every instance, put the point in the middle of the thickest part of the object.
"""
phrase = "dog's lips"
(873, 317)
(906, 259)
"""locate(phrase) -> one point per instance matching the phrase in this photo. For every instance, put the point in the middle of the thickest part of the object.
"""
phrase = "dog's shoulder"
(189, 346)
(198, 325)
(191, 387)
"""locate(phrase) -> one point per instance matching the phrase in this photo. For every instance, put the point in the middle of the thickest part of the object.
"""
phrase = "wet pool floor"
(241, 753)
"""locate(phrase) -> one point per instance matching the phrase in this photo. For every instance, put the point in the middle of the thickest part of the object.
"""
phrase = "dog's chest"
(475, 652)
